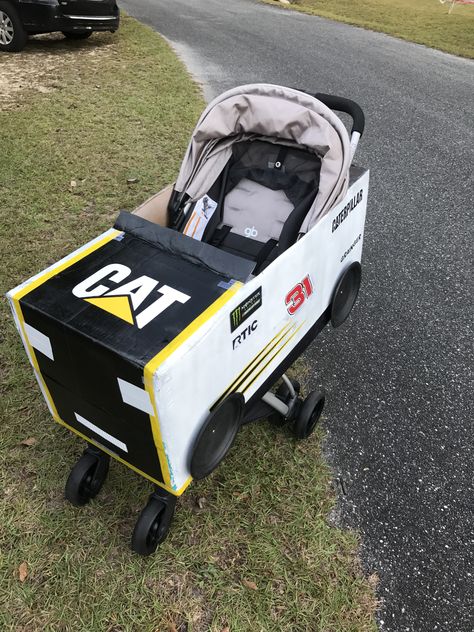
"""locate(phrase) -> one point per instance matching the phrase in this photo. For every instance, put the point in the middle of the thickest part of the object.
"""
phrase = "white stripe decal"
(39, 341)
(135, 396)
(108, 437)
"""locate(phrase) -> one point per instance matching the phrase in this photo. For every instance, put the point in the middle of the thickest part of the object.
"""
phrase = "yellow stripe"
(48, 274)
(272, 358)
(31, 353)
(154, 363)
(255, 361)
(37, 282)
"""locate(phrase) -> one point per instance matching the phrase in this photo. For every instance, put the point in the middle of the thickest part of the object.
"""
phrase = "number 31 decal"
(297, 296)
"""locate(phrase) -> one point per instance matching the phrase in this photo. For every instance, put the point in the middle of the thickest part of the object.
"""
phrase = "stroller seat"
(264, 164)
(256, 206)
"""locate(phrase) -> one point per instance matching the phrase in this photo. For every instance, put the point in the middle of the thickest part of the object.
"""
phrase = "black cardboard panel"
(135, 431)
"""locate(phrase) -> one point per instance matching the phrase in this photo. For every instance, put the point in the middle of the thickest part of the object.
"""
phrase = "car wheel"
(345, 294)
(77, 35)
(13, 36)
(216, 436)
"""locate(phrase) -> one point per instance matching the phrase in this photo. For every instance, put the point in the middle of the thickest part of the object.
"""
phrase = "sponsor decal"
(246, 308)
(298, 295)
(353, 245)
(349, 207)
(244, 334)
(124, 301)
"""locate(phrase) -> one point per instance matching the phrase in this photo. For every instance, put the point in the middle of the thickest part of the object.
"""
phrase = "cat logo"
(123, 301)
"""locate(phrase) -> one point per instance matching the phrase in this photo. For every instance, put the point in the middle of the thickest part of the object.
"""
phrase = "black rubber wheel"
(345, 294)
(216, 436)
(309, 414)
(86, 478)
(77, 35)
(13, 36)
(151, 528)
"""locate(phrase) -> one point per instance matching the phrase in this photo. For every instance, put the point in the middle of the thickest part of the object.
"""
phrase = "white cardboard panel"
(204, 366)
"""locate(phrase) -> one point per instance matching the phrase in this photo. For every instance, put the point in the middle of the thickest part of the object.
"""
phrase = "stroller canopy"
(274, 114)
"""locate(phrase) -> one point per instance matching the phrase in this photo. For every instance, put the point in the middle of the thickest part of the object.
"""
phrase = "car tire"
(345, 294)
(77, 35)
(216, 436)
(13, 36)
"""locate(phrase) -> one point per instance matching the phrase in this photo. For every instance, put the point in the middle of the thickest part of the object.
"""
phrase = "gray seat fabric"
(255, 211)
(261, 189)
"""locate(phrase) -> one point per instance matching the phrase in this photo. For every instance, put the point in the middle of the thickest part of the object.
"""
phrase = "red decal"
(297, 296)
(308, 286)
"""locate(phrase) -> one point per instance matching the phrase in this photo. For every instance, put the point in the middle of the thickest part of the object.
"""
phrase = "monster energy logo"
(245, 309)
(236, 316)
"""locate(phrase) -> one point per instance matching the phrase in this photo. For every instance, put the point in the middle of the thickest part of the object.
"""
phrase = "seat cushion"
(255, 211)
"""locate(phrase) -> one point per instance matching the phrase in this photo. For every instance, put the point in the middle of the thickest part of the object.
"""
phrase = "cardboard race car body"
(155, 346)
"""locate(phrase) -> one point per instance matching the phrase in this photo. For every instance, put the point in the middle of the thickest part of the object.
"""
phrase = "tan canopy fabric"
(273, 113)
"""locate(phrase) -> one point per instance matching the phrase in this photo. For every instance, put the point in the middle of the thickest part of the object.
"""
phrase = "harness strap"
(218, 214)
(264, 255)
(219, 235)
(281, 157)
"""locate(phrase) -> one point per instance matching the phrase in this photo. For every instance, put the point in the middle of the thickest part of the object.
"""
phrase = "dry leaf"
(172, 627)
(29, 442)
(23, 571)
(249, 584)
(241, 495)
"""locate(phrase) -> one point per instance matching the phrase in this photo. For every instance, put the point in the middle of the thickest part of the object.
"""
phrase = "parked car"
(76, 19)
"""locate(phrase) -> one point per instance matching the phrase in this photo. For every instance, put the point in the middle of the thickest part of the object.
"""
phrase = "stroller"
(157, 340)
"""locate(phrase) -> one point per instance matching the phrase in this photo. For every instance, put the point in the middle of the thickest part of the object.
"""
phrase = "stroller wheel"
(309, 414)
(153, 525)
(345, 294)
(87, 477)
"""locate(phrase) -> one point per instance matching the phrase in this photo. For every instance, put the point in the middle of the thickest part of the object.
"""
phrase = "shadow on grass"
(57, 44)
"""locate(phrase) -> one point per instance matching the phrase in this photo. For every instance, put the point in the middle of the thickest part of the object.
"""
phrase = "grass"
(90, 116)
(423, 21)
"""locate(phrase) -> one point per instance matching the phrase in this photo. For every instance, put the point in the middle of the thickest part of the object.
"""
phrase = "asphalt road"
(398, 375)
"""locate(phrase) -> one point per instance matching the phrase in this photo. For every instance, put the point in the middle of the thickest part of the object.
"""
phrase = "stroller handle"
(345, 105)
(349, 107)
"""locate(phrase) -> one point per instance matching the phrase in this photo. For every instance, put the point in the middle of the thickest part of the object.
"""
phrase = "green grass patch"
(425, 22)
(95, 114)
